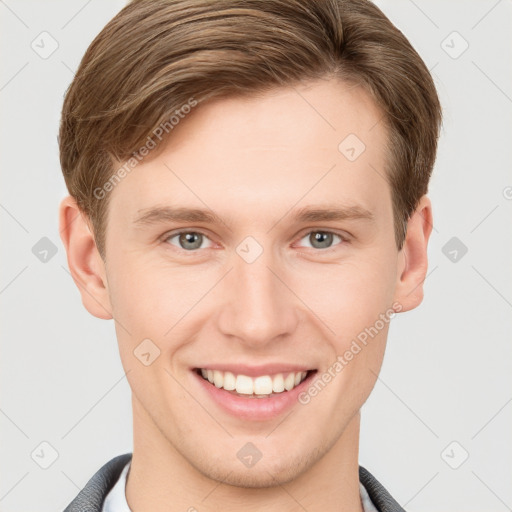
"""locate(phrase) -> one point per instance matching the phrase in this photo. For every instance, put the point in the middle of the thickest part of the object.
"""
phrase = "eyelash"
(344, 240)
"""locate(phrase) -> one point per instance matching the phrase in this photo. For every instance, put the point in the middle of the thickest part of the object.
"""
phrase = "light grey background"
(448, 368)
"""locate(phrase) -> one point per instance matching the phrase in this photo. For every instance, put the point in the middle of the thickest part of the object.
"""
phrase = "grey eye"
(190, 240)
(187, 240)
(321, 239)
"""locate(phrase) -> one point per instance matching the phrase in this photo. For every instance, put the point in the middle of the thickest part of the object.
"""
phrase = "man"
(248, 203)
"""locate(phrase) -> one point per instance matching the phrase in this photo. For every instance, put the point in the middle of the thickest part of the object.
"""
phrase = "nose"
(258, 307)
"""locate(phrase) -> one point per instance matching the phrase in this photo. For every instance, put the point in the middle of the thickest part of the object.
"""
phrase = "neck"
(161, 479)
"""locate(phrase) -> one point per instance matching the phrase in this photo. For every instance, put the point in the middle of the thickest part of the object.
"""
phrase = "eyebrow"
(162, 214)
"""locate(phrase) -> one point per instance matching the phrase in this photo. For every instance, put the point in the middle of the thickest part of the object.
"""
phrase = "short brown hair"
(155, 55)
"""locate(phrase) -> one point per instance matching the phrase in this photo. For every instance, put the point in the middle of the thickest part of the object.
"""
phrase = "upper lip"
(256, 370)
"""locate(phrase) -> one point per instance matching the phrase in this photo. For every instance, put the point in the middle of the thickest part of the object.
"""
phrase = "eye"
(187, 240)
(322, 239)
(191, 241)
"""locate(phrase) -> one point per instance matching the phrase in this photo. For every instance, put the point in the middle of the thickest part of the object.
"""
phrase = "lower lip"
(253, 409)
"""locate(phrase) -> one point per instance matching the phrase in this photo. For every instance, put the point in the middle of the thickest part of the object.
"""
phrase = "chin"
(264, 474)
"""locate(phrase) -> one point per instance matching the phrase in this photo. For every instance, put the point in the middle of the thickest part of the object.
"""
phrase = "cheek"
(361, 321)
(154, 297)
(353, 300)
(348, 296)
(156, 303)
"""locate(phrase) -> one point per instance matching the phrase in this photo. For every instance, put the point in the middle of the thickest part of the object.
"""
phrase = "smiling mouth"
(263, 386)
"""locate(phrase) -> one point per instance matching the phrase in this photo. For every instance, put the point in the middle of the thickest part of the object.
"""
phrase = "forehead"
(321, 141)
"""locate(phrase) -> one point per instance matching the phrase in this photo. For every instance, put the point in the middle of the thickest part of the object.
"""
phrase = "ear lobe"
(84, 261)
(413, 258)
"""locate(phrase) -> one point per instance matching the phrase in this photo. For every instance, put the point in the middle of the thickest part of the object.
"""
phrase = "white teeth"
(261, 387)
(229, 381)
(218, 378)
(289, 382)
(278, 383)
(244, 385)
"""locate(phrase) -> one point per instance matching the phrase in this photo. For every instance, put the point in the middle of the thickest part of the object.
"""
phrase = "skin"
(253, 161)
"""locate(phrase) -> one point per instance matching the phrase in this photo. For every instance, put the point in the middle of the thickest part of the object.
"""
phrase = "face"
(275, 255)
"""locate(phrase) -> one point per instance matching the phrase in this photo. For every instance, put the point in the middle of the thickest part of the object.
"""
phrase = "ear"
(412, 259)
(84, 261)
